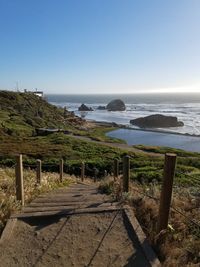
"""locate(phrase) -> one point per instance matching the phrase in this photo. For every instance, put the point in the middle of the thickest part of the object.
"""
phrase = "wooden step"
(65, 212)
(64, 203)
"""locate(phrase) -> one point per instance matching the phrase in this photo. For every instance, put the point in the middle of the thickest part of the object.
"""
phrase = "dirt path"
(117, 145)
(76, 226)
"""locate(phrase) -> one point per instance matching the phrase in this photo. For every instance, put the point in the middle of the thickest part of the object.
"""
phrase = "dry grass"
(179, 245)
(8, 202)
(111, 187)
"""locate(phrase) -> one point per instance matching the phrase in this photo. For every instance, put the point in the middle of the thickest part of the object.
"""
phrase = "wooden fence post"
(82, 171)
(19, 179)
(166, 192)
(38, 171)
(116, 168)
(61, 170)
(126, 173)
(96, 171)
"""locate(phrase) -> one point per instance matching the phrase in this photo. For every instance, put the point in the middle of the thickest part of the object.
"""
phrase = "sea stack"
(157, 121)
(116, 105)
(83, 107)
(101, 107)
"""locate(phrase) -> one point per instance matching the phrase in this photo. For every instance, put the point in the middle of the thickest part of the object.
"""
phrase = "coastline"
(121, 126)
(184, 107)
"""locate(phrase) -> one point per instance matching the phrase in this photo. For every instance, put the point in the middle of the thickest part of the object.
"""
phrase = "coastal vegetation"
(98, 132)
(22, 113)
(144, 166)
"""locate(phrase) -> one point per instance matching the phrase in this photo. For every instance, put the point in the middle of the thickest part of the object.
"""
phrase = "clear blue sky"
(100, 46)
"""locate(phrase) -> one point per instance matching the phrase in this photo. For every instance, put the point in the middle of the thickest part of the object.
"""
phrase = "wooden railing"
(166, 192)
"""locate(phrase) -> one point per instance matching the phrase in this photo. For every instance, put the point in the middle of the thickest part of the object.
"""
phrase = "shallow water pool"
(139, 137)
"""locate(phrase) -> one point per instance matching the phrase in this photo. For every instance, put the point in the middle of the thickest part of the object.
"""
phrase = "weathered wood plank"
(67, 207)
(65, 203)
(65, 212)
(66, 195)
(63, 199)
(147, 250)
(7, 232)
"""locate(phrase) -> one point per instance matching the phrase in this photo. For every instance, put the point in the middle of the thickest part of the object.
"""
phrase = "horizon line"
(153, 92)
(135, 93)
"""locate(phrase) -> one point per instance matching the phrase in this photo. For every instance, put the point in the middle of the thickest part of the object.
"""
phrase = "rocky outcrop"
(116, 105)
(157, 121)
(83, 107)
(101, 107)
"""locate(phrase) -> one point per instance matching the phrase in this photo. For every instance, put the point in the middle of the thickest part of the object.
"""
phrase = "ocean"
(186, 107)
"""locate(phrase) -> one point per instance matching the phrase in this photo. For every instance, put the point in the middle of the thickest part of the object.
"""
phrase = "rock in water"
(116, 105)
(101, 107)
(157, 121)
(83, 107)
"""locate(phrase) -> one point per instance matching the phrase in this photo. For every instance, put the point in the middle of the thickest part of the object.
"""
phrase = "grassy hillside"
(22, 113)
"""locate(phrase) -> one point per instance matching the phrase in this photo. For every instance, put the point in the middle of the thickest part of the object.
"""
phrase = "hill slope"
(22, 113)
